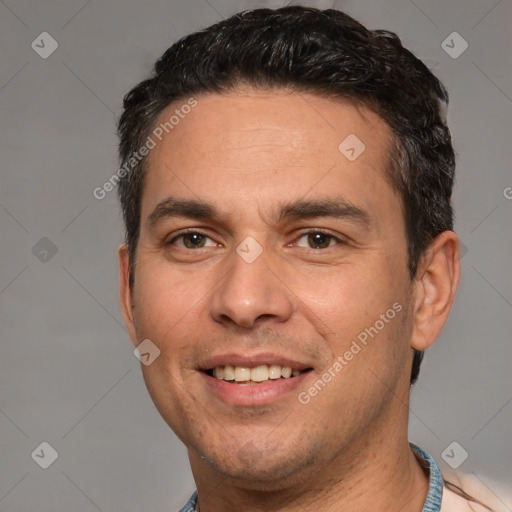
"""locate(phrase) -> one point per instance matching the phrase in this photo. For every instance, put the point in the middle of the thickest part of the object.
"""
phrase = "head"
(304, 79)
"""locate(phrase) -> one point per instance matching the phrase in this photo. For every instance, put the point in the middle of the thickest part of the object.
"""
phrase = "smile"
(244, 375)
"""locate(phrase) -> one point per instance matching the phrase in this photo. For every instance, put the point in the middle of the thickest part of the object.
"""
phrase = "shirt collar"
(436, 482)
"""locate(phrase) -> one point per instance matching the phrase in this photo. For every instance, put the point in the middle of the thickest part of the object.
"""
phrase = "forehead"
(284, 144)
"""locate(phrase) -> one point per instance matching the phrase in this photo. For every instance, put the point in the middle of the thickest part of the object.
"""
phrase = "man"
(289, 256)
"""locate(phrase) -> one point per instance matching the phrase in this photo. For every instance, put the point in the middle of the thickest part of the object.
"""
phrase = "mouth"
(253, 379)
(256, 375)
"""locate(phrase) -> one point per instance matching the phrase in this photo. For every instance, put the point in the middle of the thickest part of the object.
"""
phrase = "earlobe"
(435, 288)
(126, 292)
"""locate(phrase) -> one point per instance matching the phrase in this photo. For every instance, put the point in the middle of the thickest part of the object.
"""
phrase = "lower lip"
(255, 394)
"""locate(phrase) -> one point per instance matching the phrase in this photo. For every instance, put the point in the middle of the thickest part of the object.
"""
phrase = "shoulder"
(467, 493)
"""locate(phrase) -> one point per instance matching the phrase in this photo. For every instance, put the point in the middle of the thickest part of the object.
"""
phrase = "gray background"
(68, 375)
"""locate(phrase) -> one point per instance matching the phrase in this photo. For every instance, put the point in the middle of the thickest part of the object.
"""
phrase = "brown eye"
(319, 240)
(193, 240)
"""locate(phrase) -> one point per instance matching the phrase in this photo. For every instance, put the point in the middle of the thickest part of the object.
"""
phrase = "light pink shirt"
(472, 495)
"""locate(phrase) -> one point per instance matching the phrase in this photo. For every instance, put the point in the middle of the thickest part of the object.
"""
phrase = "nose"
(251, 293)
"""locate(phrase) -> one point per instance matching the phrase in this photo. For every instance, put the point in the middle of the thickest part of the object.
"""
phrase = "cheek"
(347, 298)
(370, 354)
(364, 318)
(165, 300)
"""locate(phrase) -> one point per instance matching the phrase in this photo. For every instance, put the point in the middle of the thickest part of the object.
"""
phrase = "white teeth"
(229, 372)
(242, 374)
(286, 372)
(274, 371)
(260, 373)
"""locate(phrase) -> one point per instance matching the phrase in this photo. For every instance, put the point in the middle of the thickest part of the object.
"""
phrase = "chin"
(262, 467)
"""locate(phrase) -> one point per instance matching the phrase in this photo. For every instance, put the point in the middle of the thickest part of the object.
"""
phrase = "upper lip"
(251, 360)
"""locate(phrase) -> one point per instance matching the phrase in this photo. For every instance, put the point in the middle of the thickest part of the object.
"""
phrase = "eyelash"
(338, 241)
(184, 233)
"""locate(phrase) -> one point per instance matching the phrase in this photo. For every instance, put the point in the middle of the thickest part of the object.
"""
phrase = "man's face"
(263, 243)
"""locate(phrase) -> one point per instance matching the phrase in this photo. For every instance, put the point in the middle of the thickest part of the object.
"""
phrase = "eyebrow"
(338, 208)
(301, 209)
(172, 207)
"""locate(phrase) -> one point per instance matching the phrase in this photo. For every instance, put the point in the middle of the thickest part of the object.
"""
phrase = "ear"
(434, 291)
(126, 292)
